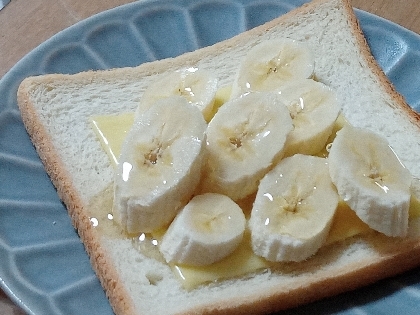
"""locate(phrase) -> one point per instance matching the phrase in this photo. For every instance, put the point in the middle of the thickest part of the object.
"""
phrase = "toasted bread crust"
(76, 206)
(397, 256)
(374, 66)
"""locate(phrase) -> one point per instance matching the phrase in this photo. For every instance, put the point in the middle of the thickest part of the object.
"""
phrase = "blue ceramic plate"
(43, 265)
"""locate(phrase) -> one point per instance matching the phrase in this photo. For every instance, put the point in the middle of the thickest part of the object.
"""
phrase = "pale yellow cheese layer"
(111, 132)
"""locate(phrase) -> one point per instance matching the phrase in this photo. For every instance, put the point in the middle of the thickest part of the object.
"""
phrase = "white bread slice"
(55, 110)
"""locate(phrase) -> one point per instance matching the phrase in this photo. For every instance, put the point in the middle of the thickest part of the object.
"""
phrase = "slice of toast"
(56, 109)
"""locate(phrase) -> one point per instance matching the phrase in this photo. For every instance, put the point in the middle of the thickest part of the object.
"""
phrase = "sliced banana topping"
(314, 109)
(159, 165)
(197, 86)
(270, 64)
(244, 139)
(208, 228)
(371, 179)
(274, 109)
(293, 210)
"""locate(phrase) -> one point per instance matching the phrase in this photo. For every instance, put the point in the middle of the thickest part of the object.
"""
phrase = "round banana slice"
(270, 64)
(208, 228)
(160, 165)
(314, 109)
(197, 86)
(293, 210)
(371, 179)
(244, 139)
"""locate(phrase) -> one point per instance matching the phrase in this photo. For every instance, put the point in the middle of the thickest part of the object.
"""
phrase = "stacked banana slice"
(197, 86)
(371, 180)
(268, 65)
(314, 109)
(244, 138)
(293, 209)
(159, 166)
(208, 228)
(176, 171)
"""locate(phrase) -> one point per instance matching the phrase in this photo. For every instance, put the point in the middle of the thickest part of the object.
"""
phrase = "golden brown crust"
(59, 176)
(374, 66)
(397, 257)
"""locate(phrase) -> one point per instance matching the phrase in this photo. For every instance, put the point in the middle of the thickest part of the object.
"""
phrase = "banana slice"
(244, 139)
(208, 228)
(293, 210)
(198, 86)
(314, 109)
(160, 165)
(270, 64)
(371, 179)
